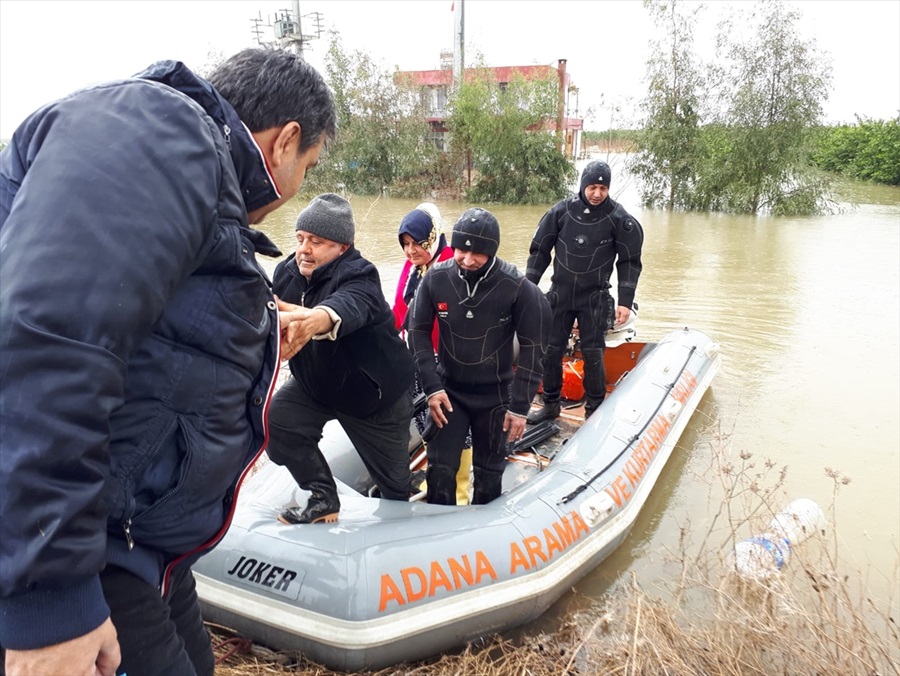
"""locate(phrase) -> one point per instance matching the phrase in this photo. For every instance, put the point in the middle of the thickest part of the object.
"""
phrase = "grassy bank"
(814, 617)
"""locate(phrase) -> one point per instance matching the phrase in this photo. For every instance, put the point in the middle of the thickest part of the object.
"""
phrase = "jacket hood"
(257, 185)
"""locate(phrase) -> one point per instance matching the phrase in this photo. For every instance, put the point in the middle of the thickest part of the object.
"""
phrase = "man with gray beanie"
(352, 366)
(481, 304)
(588, 233)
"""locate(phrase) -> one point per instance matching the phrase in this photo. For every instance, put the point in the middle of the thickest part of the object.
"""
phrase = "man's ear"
(286, 143)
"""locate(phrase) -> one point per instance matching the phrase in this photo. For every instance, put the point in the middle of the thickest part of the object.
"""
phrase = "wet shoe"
(319, 509)
(550, 410)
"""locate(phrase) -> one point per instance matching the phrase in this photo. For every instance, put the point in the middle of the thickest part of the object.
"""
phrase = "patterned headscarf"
(424, 225)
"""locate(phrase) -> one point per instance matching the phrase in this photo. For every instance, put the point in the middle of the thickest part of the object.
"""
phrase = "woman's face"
(414, 251)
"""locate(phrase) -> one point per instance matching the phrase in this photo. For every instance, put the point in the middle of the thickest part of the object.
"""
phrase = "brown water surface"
(807, 313)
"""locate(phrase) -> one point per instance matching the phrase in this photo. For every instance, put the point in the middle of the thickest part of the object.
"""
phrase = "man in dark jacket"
(140, 343)
(587, 233)
(481, 304)
(354, 367)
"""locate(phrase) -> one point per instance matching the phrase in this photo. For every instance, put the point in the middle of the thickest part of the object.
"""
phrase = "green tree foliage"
(751, 151)
(501, 135)
(669, 147)
(757, 156)
(868, 150)
(382, 132)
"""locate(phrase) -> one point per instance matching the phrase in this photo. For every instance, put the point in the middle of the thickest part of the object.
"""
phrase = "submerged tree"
(759, 148)
(751, 152)
(501, 132)
(668, 150)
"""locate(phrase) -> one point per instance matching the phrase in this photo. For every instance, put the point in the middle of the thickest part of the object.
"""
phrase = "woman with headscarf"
(424, 244)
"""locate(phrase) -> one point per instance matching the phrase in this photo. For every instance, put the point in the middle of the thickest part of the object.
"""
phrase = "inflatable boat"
(392, 582)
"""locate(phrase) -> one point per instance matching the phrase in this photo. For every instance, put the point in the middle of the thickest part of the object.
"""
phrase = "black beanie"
(328, 216)
(478, 231)
(595, 173)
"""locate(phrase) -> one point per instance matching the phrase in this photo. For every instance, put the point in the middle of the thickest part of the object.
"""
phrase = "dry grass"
(809, 619)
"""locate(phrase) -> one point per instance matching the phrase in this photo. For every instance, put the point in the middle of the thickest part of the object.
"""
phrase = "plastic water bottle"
(766, 554)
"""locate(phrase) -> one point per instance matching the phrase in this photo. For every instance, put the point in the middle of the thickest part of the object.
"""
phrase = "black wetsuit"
(586, 241)
(477, 323)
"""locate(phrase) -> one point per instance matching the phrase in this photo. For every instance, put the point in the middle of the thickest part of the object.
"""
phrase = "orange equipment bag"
(573, 377)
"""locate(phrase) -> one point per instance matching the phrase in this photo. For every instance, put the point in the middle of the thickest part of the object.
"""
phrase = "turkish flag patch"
(442, 307)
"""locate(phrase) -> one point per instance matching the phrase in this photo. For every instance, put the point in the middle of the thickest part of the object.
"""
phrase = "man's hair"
(271, 87)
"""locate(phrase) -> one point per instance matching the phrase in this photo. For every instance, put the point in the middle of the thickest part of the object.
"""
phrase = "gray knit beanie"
(328, 216)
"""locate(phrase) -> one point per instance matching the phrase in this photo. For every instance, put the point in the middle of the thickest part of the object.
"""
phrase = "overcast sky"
(48, 48)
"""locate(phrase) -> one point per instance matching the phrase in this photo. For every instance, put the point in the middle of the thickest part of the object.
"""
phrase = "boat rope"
(571, 496)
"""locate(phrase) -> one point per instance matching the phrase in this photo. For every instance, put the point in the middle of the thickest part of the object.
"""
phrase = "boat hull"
(393, 582)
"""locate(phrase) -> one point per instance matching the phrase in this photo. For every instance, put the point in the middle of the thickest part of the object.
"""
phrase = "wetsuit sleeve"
(531, 314)
(421, 321)
(542, 243)
(629, 241)
(117, 199)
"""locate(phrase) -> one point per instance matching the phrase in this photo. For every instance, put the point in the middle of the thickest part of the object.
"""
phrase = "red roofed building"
(435, 86)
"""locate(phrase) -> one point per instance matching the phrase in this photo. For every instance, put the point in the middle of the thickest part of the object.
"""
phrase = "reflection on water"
(807, 311)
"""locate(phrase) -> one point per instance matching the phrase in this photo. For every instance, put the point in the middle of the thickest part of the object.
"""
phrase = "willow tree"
(503, 134)
(382, 133)
(668, 148)
(759, 147)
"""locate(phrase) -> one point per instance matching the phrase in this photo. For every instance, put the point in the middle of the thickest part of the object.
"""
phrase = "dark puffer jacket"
(139, 342)
(368, 367)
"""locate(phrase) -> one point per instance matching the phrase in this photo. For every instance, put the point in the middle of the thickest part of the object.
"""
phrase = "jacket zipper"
(127, 525)
(237, 488)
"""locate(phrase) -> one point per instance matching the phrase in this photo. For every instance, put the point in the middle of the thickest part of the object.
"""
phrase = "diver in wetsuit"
(587, 233)
(481, 304)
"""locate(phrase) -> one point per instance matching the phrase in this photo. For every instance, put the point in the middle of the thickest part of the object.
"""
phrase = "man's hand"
(622, 314)
(437, 404)
(515, 425)
(298, 325)
(94, 654)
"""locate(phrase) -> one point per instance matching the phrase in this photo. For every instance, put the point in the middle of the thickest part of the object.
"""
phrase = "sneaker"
(319, 509)
(551, 409)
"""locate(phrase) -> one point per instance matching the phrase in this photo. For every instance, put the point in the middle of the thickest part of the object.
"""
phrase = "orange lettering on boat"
(483, 567)
(622, 488)
(389, 592)
(517, 558)
(553, 545)
(631, 472)
(408, 574)
(565, 531)
(580, 525)
(533, 546)
(463, 571)
(438, 579)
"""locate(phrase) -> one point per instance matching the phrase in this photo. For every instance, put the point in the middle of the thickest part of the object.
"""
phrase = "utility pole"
(298, 44)
(459, 42)
(287, 28)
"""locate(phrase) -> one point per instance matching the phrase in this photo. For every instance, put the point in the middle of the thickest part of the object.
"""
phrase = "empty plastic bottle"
(766, 554)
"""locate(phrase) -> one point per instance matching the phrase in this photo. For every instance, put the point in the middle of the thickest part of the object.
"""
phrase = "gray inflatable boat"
(393, 582)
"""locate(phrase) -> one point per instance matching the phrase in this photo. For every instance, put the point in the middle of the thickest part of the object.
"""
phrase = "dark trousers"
(296, 421)
(158, 636)
(593, 320)
(482, 413)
